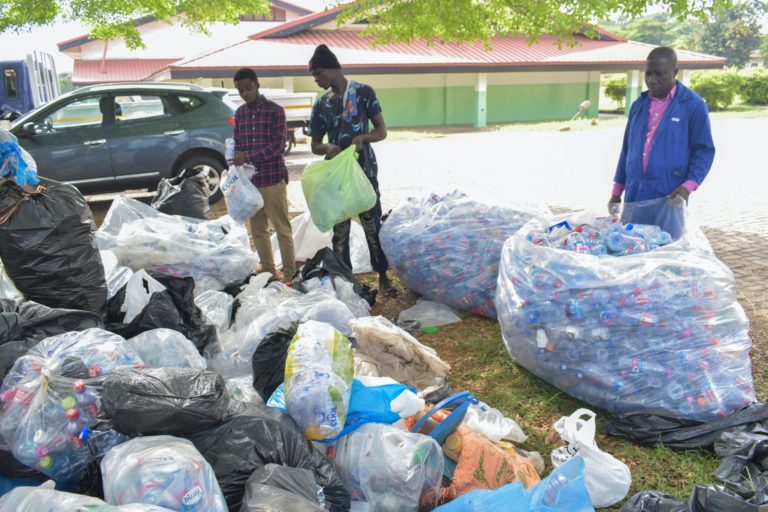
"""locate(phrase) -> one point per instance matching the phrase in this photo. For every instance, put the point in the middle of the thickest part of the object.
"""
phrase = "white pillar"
(481, 93)
(685, 76)
(288, 83)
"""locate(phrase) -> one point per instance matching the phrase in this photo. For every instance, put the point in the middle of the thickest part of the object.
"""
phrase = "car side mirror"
(29, 129)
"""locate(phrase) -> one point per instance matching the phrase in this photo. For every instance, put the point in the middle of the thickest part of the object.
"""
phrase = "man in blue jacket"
(668, 148)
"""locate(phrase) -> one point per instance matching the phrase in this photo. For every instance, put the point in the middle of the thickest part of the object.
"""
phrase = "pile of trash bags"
(653, 330)
(446, 247)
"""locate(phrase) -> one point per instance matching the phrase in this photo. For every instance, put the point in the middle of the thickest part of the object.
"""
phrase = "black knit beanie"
(323, 58)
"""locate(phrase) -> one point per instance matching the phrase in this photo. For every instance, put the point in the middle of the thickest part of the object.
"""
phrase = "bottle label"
(193, 496)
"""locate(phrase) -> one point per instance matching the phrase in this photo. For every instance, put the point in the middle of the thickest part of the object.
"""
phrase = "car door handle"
(174, 132)
(95, 142)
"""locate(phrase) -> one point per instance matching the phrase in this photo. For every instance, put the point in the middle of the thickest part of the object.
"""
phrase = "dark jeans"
(371, 223)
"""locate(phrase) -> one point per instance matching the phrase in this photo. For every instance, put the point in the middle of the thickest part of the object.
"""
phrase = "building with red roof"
(443, 83)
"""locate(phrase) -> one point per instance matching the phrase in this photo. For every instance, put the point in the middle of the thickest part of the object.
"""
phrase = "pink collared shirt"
(655, 115)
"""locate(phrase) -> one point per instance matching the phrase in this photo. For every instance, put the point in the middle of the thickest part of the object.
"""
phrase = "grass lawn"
(479, 362)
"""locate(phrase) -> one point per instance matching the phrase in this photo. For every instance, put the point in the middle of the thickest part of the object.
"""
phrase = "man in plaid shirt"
(260, 134)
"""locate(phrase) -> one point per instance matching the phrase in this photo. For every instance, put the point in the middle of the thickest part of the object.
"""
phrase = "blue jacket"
(682, 149)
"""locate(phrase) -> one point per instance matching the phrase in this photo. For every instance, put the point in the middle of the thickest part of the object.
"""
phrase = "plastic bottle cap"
(430, 329)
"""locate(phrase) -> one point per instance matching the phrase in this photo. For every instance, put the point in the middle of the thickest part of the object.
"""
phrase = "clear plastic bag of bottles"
(166, 348)
(161, 470)
(51, 398)
(447, 247)
(46, 498)
(318, 379)
(390, 468)
(654, 330)
(214, 252)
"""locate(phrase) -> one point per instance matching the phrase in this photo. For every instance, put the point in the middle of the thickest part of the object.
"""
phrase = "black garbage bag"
(714, 498)
(296, 480)
(239, 446)
(654, 501)
(277, 488)
(705, 498)
(682, 434)
(173, 401)
(24, 324)
(48, 246)
(10, 326)
(268, 361)
(39, 322)
(185, 194)
(324, 263)
(743, 464)
(173, 308)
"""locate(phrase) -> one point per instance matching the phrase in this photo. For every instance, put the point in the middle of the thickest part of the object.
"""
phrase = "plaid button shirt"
(260, 133)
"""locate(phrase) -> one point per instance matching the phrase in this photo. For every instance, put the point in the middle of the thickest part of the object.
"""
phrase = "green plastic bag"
(337, 190)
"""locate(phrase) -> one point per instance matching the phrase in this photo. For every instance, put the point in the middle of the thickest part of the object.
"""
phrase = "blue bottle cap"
(85, 434)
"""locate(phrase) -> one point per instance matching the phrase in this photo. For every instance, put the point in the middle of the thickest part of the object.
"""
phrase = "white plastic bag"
(166, 348)
(607, 478)
(138, 291)
(7, 288)
(242, 197)
(216, 307)
(429, 313)
(492, 423)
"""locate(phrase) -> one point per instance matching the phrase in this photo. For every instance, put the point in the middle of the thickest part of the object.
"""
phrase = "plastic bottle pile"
(605, 236)
(447, 247)
(51, 398)
(660, 329)
(214, 252)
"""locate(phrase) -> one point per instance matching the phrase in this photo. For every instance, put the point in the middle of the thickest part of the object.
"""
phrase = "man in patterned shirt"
(343, 113)
(260, 134)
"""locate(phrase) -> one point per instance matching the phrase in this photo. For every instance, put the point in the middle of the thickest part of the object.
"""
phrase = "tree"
(114, 19)
(659, 29)
(616, 89)
(764, 50)
(732, 33)
(470, 20)
(65, 82)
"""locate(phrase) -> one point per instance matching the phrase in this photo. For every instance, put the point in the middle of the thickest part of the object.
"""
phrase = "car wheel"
(288, 145)
(212, 169)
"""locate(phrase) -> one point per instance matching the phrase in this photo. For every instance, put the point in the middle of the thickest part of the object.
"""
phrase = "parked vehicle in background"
(297, 106)
(115, 137)
(26, 84)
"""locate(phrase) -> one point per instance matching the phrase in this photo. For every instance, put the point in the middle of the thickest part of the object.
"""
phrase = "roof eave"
(398, 69)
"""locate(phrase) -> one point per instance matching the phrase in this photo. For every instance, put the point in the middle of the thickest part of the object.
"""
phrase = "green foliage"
(764, 50)
(718, 88)
(115, 19)
(659, 29)
(402, 21)
(616, 89)
(732, 33)
(754, 87)
(65, 82)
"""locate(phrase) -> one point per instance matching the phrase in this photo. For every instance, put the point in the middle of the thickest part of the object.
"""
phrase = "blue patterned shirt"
(329, 117)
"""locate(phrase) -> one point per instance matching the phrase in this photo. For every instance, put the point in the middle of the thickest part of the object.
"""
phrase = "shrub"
(616, 89)
(754, 87)
(718, 88)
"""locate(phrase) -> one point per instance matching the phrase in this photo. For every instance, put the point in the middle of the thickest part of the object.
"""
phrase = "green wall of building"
(423, 106)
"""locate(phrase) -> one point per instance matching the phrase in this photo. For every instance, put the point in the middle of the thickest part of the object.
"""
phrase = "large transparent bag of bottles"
(657, 329)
